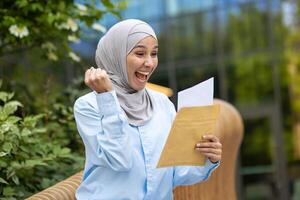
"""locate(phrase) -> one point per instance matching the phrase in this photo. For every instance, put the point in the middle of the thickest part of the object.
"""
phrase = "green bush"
(30, 158)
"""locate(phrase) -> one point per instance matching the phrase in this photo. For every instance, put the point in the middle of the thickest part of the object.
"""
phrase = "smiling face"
(141, 62)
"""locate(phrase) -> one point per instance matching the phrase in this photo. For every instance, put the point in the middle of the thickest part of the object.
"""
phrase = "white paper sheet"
(201, 94)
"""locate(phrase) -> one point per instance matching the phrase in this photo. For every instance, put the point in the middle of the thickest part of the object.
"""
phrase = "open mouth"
(142, 76)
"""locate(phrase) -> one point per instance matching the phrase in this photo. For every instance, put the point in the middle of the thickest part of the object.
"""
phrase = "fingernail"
(204, 136)
(198, 145)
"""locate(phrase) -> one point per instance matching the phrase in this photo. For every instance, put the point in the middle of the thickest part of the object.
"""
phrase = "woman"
(124, 126)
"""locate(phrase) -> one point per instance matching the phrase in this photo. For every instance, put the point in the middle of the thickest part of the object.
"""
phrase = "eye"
(139, 53)
(154, 54)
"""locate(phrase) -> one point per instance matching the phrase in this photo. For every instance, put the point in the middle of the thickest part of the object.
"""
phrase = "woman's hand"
(210, 147)
(98, 80)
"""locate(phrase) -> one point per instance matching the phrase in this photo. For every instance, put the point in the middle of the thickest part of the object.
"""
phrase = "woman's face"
(141, 62)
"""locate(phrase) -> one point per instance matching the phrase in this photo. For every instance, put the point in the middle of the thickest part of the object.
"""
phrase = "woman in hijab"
(124, 125)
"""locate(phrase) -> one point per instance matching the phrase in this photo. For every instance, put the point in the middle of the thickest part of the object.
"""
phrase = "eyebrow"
(144, 47)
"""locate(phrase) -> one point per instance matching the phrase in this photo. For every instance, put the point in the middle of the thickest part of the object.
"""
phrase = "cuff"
(107, 102)
(210, 164)
(210, 167)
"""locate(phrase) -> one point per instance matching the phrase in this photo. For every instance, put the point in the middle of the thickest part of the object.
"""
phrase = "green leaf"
(3, 181)
(61, 6)
(49, 46)
(8, 191)
(65, 151)
(7, 146)
(36, 7)
(3, 164)
(56, 150)
(10, 96)
(11, 170)
(50, 18)
(14, 130)
(46, 182)
(122, 5)
(33, 163)
(40, 130)
(16, 180)
(117, 14)
(11, 107)
(14, 104)
(2, 154)
(8, 20)
(13, 119)
(108, 4)
(3, 96)
(26, 132)
(1, 135)
(21, 3)
(25, 149)
(30, 121)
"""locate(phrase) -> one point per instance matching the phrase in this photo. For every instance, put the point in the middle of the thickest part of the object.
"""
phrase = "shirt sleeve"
(103, 131)
(188, 175)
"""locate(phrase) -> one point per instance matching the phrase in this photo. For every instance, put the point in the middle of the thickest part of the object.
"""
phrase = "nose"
(149, 62)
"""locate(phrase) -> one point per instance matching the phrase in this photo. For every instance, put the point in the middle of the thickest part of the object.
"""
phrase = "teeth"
(144, 73)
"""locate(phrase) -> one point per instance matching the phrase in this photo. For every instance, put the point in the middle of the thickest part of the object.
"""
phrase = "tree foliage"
(48, 25)
(27, 152)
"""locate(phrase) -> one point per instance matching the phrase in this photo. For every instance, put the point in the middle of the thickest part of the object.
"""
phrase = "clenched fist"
(98, 80)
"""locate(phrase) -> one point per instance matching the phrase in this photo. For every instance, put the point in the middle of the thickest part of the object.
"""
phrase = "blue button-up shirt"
(121, 158)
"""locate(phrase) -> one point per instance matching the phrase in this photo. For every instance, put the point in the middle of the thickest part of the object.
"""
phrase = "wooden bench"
(221, 184)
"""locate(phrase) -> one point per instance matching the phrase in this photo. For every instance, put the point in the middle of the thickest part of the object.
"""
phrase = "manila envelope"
(190, 124)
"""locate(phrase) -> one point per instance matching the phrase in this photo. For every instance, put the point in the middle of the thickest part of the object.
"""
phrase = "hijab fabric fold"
(111, 54)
